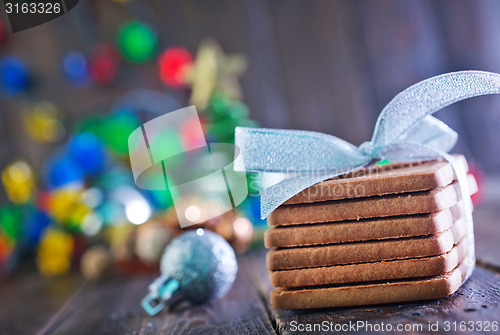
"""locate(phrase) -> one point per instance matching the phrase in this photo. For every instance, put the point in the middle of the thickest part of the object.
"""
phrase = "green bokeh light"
(137, 42)
(11, 222)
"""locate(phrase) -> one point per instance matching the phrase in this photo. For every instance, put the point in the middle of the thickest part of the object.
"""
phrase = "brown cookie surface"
(369, 272)
(370, 294)
(361, 208)
(367, 251)
(363, 230)
(384, 179)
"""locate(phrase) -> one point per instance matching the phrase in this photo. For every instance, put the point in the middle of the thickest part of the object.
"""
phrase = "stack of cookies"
(387, 233)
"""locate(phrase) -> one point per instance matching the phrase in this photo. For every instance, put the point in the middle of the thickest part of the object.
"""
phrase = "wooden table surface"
(69, 305)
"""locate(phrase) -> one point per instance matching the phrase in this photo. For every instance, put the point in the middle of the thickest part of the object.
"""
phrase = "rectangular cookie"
(367, 251)
(369, 272)
(363, 230)
(370, 294)
(383, 179)
(361, 208)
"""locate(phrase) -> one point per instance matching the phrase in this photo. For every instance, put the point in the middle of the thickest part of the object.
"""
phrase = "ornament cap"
(163, 291)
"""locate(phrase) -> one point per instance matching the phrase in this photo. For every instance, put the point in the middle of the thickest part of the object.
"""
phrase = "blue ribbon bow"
(405, 131)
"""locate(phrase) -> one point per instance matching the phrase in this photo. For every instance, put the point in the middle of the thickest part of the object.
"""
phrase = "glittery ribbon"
(405, 131)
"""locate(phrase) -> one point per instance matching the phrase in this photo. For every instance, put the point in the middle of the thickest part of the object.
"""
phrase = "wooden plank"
(28, 301)
(477, 300)
(276, 109)
(113, 307)
(323, 68)
(233, 24)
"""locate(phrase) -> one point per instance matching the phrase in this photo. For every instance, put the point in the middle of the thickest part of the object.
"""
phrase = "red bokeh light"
(173, 63)
(103, 65)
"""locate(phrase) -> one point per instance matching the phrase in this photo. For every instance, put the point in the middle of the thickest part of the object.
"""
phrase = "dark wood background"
(321, 65)
(328, 66)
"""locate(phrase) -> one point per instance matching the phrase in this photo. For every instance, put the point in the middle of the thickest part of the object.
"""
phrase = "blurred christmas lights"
(137, 42)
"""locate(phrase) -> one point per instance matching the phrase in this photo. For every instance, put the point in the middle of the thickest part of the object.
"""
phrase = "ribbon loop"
(428, 96)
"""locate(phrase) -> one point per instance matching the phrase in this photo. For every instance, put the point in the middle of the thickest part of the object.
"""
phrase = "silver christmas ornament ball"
(202, 262)
(197, 266)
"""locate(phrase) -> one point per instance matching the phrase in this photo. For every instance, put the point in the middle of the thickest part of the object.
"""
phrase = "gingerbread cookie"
(383, 179)
(360, 208)
(370, 293)
(367, 251)
(368, 272)
(363, 230)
